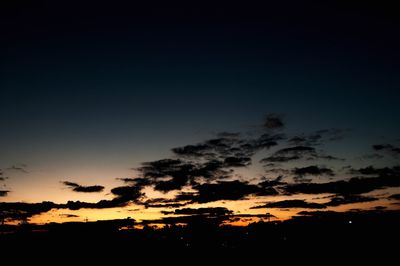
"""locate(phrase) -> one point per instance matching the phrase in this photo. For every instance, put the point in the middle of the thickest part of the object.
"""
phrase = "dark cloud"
(313, 170)
(213, 159)
(69, 215)
(265, 141)
(124, 195)
(373, 156)
(163, 203)
(139, 182)
(329, 158)
(290, 154)
(271, 183)
(355, 185)
(2, 177)
(291, 204)
(274, 121)
(205, 217)
(228, 134)
(371, 170)
(193, 150)
(280, 159)
(217, 148)
(173, 174)
(318, 137)
(318, 213)
(394, 197)
(18, 168)
(297, 153)
(191, 220)
(23, 211)
(348, 199)
(297, 150)
(223, 190)
(228, 146)
(86, 189)
(299, 140)
(178, 173)
(127, 193)
(102, 204)
(237, 161)
(19, 211)
(387, 148)
(4, 193)
(277, 170)
(217, 211)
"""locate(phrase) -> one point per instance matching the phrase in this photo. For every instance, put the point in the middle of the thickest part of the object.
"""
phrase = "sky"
(91, 92)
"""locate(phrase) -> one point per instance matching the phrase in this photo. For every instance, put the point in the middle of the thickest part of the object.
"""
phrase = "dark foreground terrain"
(356, 236)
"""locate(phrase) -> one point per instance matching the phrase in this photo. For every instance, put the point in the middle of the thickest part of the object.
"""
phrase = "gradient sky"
(90, 91)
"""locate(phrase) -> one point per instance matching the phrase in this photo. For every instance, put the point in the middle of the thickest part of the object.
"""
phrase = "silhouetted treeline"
(333, 234)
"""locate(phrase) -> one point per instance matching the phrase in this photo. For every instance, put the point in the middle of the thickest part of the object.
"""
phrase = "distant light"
(350, 222)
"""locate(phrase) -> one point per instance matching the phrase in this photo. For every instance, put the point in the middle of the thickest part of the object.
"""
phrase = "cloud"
(318, 137)
(349, 199)
(102, 204)
(297, 153)
(216, 211)
(271, 183)
(387, 149)
(2, 177)
(318, 213)
(373, 156)
(291, 204)
(355, 185)
(394, 197)
(228, 134)
(237, 161)
(313, 170)
(214, 159)
(4, 193)
(124, 195)
(127, 193)
(86, 189)
(173, 174)
(371, 170)
(69, 215)
(19, 211)
(290, 154)
(280, 159)
(139, 182)
(18, 168)
(178, 173)
(223, 190)
(228, 146)
(274, 121)
(163, 203)
(297, 150)
(191, 220)
(204, 217)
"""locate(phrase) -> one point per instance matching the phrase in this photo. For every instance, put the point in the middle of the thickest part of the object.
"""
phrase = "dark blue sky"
(133, 79)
